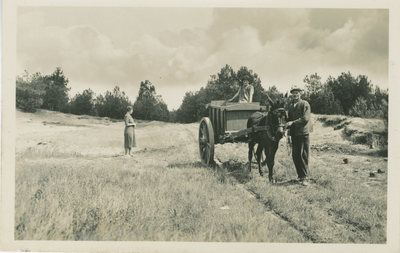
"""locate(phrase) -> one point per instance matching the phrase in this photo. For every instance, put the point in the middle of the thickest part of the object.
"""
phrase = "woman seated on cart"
(245, 91)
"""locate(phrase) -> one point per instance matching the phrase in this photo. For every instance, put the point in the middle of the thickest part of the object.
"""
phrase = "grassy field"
(73, 183)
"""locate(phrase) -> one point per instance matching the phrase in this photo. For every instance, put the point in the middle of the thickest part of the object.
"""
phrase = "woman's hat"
(295, 88)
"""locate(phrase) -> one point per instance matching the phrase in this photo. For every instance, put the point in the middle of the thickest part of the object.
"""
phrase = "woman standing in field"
(129, 132)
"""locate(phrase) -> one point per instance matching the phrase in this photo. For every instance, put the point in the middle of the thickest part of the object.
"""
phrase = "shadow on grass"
(351, 150)
(238, 170)
(286, 183)
(382, 152)
(186, 165)
(62, 124)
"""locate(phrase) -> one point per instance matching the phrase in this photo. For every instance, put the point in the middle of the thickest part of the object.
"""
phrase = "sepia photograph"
(149, 126)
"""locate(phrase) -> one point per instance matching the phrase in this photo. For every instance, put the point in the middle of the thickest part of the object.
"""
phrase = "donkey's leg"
(263, 163)
(251, 146)
(270, 152)
(259, 152)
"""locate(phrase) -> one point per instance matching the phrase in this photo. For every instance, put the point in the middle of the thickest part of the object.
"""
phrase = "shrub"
(28, 99)
(112, 104)
(149, 105)
(83, 103)
(30, 90)
(360, 109)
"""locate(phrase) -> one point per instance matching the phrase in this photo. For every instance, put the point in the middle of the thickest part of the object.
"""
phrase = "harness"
(268, 126)
(288, 145)
(288, 140)
(269, 130)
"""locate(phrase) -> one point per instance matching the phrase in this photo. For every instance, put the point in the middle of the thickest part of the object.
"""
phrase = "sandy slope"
(101, 136)
(95, 136)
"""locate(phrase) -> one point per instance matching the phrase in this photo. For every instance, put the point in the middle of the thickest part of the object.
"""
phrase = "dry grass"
(120, 200)
(162, 194)
(370, 132)
(342, 204)
(79, 187)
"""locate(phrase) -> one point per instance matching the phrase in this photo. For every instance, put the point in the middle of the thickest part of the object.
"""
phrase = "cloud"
(84, 54)
(312, 39)
(348, 36)
(89, 59)
(36, 41)
(270, 23)
(295, 43)
(280, 45)
(374, 40)
(331, 19)
(172, 62)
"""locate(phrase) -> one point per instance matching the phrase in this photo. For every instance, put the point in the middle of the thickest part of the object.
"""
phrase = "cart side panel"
(215, 120)
(237, 120)
(223, 119)
(227, 117)
(214, 115)
(210, 115)
(218, 119)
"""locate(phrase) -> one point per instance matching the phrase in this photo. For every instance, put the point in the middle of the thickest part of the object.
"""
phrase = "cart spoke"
(205, 134)
(203, 155)
(204, 142)
(202, 130)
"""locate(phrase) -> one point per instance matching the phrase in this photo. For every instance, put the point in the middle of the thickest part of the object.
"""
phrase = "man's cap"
(295, 88)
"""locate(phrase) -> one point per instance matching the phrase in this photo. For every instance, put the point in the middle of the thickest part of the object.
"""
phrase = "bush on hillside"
(83, 103)
(30, 90)
(48, 92)
(28, 100)
(375, 106)
(347, 89)
(56, 92)
(112, 104)
(360, 109)
(149, 105)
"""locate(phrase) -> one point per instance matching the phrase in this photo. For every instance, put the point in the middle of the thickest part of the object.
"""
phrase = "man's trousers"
(300, 152)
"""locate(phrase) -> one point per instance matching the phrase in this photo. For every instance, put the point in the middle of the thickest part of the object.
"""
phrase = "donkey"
(268, 140)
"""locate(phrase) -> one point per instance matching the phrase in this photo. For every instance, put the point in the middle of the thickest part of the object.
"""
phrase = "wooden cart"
(227, 122)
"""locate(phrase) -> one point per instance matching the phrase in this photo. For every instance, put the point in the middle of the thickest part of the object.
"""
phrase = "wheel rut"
(257, 197)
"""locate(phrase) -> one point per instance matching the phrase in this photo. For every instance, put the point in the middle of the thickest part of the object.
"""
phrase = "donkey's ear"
(270, 101)
(287, 94)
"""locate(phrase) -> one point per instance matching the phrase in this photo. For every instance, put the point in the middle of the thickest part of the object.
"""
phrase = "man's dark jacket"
(301, 117)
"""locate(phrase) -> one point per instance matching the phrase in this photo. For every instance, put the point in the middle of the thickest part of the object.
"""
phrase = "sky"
(178, 49)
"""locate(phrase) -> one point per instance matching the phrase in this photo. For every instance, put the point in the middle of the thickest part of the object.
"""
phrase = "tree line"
(222, 86)
(346, 95)
(50, 92)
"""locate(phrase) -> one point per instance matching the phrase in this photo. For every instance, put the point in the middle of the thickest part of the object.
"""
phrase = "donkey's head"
(278, 117)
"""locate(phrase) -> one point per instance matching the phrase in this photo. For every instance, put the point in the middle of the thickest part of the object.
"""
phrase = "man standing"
(245, 92)
(300, 127)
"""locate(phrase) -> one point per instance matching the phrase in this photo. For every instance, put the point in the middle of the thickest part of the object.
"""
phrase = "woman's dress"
(129, 132)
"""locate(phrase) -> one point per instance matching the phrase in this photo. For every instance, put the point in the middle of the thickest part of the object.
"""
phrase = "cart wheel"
(206, 141)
